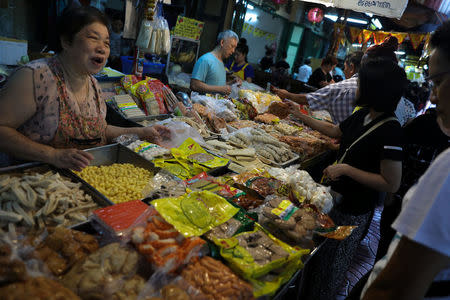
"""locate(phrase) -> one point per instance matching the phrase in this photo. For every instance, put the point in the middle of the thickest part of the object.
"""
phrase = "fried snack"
(110, 266)
(216, 280)
(37, 288)
(11, 270)
(279, 109)
(267, 118)
(304, 145)
(242, 124)
(65, 247)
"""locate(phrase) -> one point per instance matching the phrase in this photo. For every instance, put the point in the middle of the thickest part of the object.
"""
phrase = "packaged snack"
(117, 219)
(205, 182)
(215, 280)
(195, 213)
(109, 273)
(161, 244)
(256, 253)
(192, 158)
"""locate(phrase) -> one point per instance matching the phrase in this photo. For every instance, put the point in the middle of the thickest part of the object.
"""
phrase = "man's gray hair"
(227, 34)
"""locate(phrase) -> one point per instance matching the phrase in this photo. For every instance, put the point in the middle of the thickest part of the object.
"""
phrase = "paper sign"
(12, 50)
(189, 28)
(387, 8)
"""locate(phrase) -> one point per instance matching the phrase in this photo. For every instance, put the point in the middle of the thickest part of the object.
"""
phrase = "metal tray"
(37, 167)
(115, 153)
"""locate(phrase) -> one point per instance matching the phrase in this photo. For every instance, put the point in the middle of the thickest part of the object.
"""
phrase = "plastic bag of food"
(109, 273)
(128, 80)
(304, 187)
(204, 182)
(246, 110)
(164, 185)
(190, 152)
(161, 244)
(181, 131)
(288, 222)
(256, 253)
(148, 150)
(195, 213)
(240, 222)
(215, 280)
(145, 34)
(268, 284)
(162, 286)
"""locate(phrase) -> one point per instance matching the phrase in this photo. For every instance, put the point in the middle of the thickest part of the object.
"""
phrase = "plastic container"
(149, 67)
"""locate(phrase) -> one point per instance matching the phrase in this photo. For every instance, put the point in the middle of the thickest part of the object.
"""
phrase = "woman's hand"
(74, 159)
(155, 134)
(333, 172)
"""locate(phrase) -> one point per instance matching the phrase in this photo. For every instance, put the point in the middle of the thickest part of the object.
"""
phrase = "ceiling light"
(400, 52)
(369, 14)
(359, 21)
(425, 67)
(331, 17)
(377, 23)
(251, 17)
(356, 45)
(249, 6)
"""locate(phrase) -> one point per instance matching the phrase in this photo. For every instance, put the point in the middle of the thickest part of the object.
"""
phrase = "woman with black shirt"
(369, 164)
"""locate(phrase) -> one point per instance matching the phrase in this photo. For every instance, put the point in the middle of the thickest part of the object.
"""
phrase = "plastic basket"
(149, 67)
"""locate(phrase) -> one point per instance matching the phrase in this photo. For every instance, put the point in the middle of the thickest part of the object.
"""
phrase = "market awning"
(386, 8)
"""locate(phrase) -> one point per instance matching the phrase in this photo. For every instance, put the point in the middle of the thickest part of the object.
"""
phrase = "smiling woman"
(52, 108)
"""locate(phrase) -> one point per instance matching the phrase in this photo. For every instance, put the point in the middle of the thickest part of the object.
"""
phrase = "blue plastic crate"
(149, 67)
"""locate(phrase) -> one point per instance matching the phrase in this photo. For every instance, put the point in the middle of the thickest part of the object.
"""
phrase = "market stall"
(223, 196)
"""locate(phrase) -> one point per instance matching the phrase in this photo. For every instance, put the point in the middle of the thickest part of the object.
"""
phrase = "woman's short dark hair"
(329, 60)
(74, 19)
(441, 39)
(381, 85)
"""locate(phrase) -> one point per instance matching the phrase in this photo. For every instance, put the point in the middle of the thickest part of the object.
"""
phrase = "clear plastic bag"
(180, 131)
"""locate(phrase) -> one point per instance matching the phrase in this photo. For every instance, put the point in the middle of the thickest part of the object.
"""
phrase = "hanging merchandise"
(400, 36)
(355, 34)
(416, 39)
(379, 36)
(154, 34)
(367, 34)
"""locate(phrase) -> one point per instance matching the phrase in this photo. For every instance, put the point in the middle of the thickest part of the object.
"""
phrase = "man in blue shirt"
(209, 75)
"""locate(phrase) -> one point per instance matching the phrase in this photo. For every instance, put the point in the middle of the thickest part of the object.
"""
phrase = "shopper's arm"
(408, 273)
(324, 127)
(283, 94)
(17, 105)
(387, 181)
(201, 87)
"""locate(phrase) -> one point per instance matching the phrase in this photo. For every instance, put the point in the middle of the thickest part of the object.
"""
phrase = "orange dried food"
(267, 118)
(163, 245)
(279, 109)
(215, 280)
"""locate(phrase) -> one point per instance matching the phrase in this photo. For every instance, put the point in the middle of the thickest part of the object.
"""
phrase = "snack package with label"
(195, 213)
(261, 182)
(147, 99)
(148, 150)
(204, 182)
(127, 81)
(215, 280)
(287, 222)
(161, 244)
(157, 87)
(254, 254)
(241, 222)
(193, 158)
(304, 188)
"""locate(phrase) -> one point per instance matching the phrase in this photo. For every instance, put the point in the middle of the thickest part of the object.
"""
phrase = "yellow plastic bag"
(195, 213)
(191, 157)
